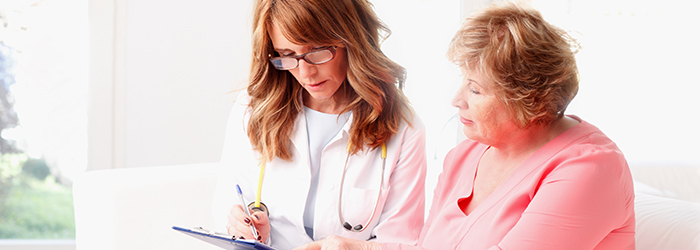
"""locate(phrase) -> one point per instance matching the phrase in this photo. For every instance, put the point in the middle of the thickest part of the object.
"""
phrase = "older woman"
(528, 177)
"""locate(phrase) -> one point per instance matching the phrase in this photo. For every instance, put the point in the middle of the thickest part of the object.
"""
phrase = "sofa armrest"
(666, 207)
(666, 223)
(135, 208)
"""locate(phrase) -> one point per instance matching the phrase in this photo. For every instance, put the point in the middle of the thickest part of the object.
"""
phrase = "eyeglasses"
(316, 57)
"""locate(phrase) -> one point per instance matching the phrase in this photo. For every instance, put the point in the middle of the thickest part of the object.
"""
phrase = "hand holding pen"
(242, 223)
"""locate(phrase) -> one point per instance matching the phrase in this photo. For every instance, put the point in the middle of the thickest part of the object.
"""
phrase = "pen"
(245, 208)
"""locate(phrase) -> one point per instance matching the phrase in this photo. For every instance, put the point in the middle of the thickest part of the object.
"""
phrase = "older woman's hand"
(239, 224)
(340, 243)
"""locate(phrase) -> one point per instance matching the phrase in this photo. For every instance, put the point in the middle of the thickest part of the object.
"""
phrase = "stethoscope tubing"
(360, 227)
(346, 225)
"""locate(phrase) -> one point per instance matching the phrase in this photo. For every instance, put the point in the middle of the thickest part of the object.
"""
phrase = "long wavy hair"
(531, 61)
(373, 83)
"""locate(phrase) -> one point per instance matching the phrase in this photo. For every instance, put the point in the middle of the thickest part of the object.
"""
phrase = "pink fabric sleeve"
(562, 216)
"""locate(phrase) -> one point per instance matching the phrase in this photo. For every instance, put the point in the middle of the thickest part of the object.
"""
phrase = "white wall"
(161, 70)
(638, 85)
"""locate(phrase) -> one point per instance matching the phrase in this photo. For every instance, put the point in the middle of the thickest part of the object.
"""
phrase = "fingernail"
(259, 237)
(241, 238)
(246, 220)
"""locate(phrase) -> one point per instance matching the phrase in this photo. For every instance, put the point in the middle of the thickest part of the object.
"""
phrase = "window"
(44, 54)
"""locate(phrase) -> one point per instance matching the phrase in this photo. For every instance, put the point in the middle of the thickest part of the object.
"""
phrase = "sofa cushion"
(666, 223)
(135, 208)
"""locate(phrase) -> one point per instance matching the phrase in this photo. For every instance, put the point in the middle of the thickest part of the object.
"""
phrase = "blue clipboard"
(222, 240)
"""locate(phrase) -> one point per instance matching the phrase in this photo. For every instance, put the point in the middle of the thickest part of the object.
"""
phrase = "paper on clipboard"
(224, 241)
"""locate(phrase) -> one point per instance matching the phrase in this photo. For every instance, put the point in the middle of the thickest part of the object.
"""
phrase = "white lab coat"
(399, 216)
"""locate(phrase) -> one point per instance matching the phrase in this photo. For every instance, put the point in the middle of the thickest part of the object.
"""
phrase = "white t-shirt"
(321, 128)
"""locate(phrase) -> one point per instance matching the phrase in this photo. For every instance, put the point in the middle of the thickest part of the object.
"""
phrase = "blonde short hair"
(531, 62)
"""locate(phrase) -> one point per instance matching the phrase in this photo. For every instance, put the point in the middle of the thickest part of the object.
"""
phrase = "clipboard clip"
(213, 233)
(225, 241)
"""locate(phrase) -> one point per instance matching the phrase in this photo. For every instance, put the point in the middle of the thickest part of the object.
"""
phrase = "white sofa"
(667, 207)
(135, 208)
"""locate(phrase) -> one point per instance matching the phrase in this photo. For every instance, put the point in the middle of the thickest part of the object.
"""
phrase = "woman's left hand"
(340, 243)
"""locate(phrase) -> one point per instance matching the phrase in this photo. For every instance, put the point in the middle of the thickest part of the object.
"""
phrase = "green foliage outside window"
(30, 207)
(33, 205)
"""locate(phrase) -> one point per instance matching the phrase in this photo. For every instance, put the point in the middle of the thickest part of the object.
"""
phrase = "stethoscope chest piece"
(357, 228)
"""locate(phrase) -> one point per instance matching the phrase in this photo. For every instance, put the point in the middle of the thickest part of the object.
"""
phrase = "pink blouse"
(574, 193)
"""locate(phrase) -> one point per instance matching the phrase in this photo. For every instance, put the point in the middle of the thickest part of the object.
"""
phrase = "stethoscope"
(346, 225)
(359, 227)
